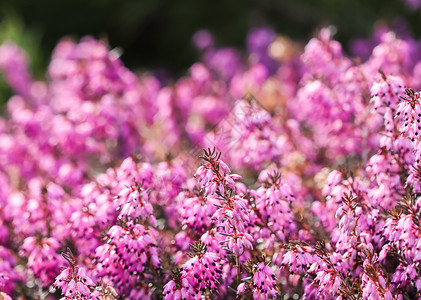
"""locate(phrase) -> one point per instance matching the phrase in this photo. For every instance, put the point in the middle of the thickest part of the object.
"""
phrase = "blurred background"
(157, 35)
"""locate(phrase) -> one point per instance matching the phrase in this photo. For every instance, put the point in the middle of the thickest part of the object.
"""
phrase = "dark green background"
(157, 33)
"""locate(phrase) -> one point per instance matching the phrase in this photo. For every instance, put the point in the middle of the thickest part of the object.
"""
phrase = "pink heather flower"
(332, 180)
(179, 287)
(134, 204)
(250, 134)
(401, 232)
(42, 256)
(327, 281)
(324, 55)
(392, 54)
(264, 281)
(236, 242)
(374, 283)
(130, 250)
(74, 282)
(241, 288)
(414, 179)
(299, 258)
(196, 211)
(382, 170)
(200, 272)
(212, 240)
(412, 4)
(214, 176)
(14, 64)
(338, 136)
(4, 296)
(169, 181)
(8, 274)
(225, 62)
(385, 94)
(409, 113)
(204, 174)
(61, 142)
(273, 202)
(232, 214)
(203, 39)
(261, 283)
(205, 270)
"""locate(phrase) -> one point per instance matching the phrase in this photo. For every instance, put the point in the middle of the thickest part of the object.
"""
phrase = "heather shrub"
(279, 173)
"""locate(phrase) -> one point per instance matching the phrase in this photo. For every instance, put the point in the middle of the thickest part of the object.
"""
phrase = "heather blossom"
(8, 274)
(129, 250)
(135, 204)
(385, 94)
(74, 282)
(308, 185)
(231, 214)
(196, 210)
(261, 282)
(199, 275)
(42, 256)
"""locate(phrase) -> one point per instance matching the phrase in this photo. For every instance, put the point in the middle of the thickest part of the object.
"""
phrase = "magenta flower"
(134, 204)
(73, 281)
(131, 249)
(43, 259)
(101, 160)
(261, 283)
(198, 274)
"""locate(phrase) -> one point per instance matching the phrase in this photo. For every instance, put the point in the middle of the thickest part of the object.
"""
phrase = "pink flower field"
(287, 171)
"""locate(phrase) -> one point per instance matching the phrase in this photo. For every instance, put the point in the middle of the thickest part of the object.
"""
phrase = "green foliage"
(12, 28)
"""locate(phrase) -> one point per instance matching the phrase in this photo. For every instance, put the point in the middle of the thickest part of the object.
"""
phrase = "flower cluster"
(261, 283)
(129, 250)
(73, 281)
(309, 184)
(199, 275)
(131, 245)
(43, 259)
